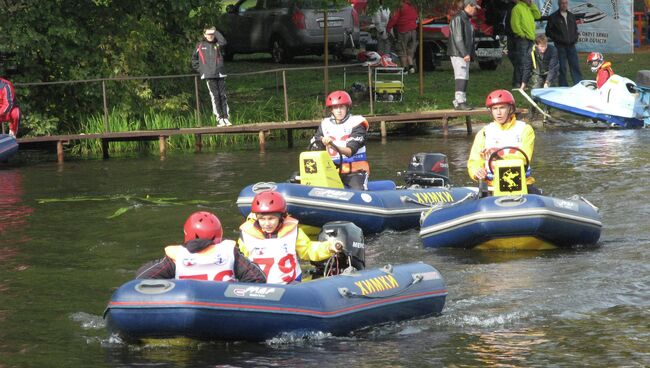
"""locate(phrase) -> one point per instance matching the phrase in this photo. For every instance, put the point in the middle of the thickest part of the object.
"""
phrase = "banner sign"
(605, 25)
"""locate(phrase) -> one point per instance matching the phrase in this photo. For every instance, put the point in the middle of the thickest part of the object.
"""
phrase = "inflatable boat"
(531, 222)
(619, 102)
(209, 310)
(511, 218)
(383, 206)
(8, 147)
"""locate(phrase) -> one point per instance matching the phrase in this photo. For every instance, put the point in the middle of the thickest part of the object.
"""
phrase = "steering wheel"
(317, 145)
(495, 156)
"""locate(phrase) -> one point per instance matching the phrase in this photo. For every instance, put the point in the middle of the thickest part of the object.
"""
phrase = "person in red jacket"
(9, 110)
(602, 68)
(204, 255)
(404, 19)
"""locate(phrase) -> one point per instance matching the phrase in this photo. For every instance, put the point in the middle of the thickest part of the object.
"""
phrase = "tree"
(60, 40)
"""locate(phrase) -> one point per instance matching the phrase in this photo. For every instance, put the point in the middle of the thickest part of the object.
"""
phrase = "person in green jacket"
(522, 22)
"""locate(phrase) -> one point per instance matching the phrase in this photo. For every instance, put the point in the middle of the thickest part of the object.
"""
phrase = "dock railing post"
(286, 99)
(106, 128)
(445, 125)
(59, 152)
(198, 142)
(370, 91)
(468, 123)
(163, 146)
(262, 139)
(197, 113)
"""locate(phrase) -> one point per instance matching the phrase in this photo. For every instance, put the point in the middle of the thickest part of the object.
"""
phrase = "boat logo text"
(377, 284)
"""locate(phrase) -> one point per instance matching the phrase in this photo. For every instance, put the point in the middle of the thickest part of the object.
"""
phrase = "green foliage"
(38, 124)
(60, 40)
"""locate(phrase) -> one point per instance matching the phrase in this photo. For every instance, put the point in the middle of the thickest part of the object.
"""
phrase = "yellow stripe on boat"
(516, 243)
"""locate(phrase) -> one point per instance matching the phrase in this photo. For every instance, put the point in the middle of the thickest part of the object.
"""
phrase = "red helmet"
(203, 225)
(269, 202)
(499, 96)
(338, 98)
(595, 60)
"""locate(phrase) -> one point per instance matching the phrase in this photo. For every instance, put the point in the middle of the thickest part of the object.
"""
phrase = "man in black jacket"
(563, 30)
(207, 59)
(461, 50)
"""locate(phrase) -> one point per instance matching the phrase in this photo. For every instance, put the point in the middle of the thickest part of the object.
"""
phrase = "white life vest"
(275, 256)
(340, 133)
(216, 262)
(495, 137)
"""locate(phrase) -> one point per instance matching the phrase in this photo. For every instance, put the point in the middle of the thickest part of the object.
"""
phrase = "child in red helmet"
(203, 256)
(272, 239)
(602, 68)
(344, 137)
(504, 131)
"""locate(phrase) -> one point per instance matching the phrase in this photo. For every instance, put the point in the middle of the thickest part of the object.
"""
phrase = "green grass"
(259, 98)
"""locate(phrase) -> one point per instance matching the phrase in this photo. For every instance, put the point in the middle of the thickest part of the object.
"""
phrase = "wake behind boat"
(620, 101)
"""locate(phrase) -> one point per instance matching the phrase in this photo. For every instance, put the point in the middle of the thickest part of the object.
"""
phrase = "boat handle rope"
(517, 198)
(439, 205)
(581, 198)
(346, 293)
(264, 186)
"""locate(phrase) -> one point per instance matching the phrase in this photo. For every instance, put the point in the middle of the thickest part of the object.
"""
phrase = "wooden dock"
(259, 128)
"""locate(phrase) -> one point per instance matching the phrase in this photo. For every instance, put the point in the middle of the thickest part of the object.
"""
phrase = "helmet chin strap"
(345, 118)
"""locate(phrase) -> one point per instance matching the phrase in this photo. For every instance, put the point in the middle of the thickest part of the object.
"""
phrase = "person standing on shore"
(380, 20)
(207, 59)
(522, 22)
(460, 50)
(563, 30)
(405, 20)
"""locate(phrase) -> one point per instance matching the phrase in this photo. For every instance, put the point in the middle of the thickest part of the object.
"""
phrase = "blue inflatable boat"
(8, 147)
(372, 210)
(529, 221)
(209, 310)
(315, 201)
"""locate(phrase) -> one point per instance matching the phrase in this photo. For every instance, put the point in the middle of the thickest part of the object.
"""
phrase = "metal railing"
(283, 71)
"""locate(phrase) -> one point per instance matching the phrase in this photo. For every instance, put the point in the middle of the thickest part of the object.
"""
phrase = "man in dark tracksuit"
(208, 61)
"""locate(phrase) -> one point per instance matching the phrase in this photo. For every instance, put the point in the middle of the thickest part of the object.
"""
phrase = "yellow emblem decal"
(377, 284)
(510, 179)
(310, 166)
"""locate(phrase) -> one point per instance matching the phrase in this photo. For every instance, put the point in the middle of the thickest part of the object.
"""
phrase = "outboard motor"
(353, 254)
(427, 170)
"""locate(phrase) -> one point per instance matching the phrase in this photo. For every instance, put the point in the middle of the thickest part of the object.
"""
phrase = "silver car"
(287, 28)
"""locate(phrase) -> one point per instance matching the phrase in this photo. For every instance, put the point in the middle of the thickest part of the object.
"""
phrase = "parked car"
(287, 28)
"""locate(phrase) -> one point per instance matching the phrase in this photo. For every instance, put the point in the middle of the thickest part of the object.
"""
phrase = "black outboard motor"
(427, 170)
(353, 253)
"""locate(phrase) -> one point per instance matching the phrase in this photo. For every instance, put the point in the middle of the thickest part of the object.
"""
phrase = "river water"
(71, 234)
